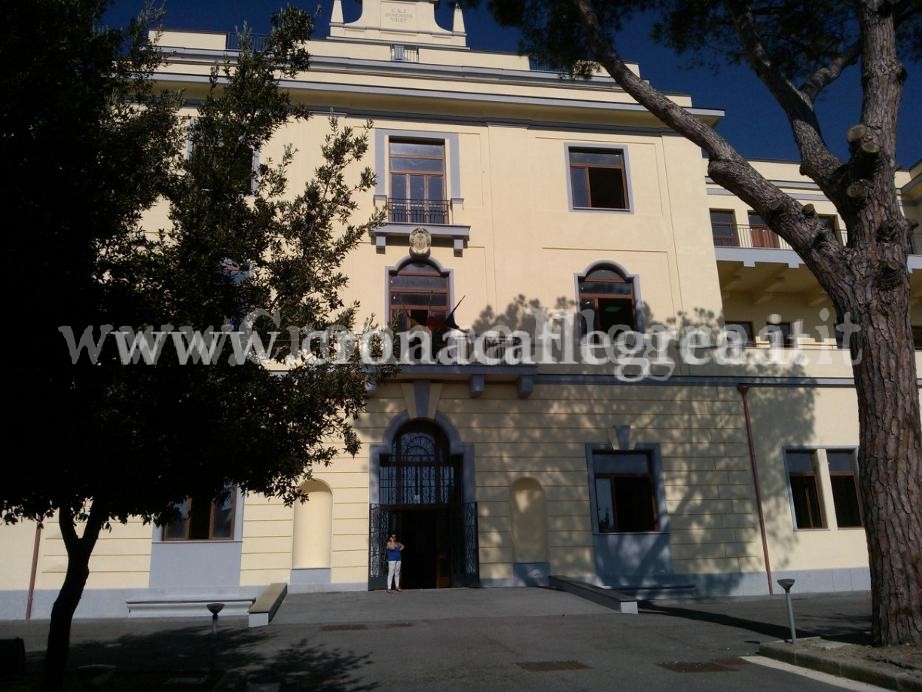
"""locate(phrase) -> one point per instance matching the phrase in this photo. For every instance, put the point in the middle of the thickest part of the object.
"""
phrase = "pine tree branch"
(726, 166)
(829, 72)
(818, 162)
(662, 107)
(872, 142)
(882, 74)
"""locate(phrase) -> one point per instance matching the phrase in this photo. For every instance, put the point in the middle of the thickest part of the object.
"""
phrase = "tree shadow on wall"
(694, 417)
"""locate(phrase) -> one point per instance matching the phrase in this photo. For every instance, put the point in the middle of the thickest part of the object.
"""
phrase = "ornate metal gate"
(420, 494)
(466, 555)
(381, 523)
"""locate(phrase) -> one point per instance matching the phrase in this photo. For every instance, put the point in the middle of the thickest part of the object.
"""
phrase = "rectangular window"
(744, 329)
(804, 491)
(203, 518)
(917, 338)
(417, 182)
(780, 335)
(844, 488)
(597, 178)
(625, 498)
(760, 234)
(723, 228)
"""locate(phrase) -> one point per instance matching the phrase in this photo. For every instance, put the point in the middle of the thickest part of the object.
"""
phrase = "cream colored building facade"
(533, 192)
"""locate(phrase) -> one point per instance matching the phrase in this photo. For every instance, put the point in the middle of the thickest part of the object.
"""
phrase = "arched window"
(419, 470)
(417, 295)
(609, 294)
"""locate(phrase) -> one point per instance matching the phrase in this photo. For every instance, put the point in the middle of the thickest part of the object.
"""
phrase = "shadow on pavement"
(187, 651)
(841, 627)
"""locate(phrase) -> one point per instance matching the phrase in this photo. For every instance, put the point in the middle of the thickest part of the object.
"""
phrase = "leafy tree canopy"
(90, 146)
(132, 439)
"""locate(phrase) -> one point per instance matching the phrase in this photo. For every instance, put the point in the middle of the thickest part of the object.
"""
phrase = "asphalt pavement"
(488, 639)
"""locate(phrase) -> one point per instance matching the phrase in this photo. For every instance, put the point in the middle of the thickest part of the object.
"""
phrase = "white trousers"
(393, 574)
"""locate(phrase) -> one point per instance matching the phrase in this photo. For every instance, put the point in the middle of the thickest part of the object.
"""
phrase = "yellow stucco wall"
(121, 558)
(526, 245)
(827, 418)
(17, 541)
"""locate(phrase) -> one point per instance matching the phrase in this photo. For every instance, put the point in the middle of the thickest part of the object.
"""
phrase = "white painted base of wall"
(109, 603)
(309, 577)
(531, 573)
(720, 585)
(114, 603)
(743, 583)
(327, 588)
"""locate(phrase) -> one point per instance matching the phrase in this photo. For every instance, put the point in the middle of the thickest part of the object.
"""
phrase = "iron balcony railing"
(421, 211)
(257, 41)
(736, 235)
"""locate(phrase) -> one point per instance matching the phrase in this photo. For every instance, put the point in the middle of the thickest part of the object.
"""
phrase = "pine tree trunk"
(890, 465)
(62, 613)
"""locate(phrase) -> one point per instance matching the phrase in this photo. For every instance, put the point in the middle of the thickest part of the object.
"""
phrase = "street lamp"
(214, 608)
(786, 584)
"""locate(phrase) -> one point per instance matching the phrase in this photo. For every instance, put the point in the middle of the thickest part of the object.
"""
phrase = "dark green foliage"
(799, 36)
(551, 31)
(90, 147)
(83, 159)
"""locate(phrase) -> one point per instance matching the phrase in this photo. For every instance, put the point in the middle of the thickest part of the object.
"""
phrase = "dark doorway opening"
(427, 558)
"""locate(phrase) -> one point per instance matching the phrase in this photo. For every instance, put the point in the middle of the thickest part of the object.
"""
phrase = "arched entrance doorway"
(420, 496)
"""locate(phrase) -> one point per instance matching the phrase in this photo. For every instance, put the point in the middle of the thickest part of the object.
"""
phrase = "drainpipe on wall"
(743, 390)
(35, 545)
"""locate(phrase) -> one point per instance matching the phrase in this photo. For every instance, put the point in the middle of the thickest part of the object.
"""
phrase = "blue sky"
(754, 123)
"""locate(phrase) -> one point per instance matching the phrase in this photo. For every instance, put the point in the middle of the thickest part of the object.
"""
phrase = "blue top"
(393, 554)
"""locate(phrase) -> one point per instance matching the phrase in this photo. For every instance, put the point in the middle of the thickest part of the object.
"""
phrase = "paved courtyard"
(490, 639)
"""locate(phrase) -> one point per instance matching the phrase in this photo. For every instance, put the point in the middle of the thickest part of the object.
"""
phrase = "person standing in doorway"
(393, 562)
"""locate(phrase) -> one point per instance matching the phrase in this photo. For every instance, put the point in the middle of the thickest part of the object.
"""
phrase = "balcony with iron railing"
(435, 215)
(257, 42)
(418, 211)
(401, 53)
(736, 235)
(760, 237)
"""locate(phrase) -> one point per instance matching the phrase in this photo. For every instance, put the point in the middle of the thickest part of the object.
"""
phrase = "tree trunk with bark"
(876, 294)
(890, 469)
(79, 550)
(868, 279)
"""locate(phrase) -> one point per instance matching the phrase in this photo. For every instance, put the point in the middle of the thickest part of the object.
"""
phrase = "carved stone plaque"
(398, 15)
